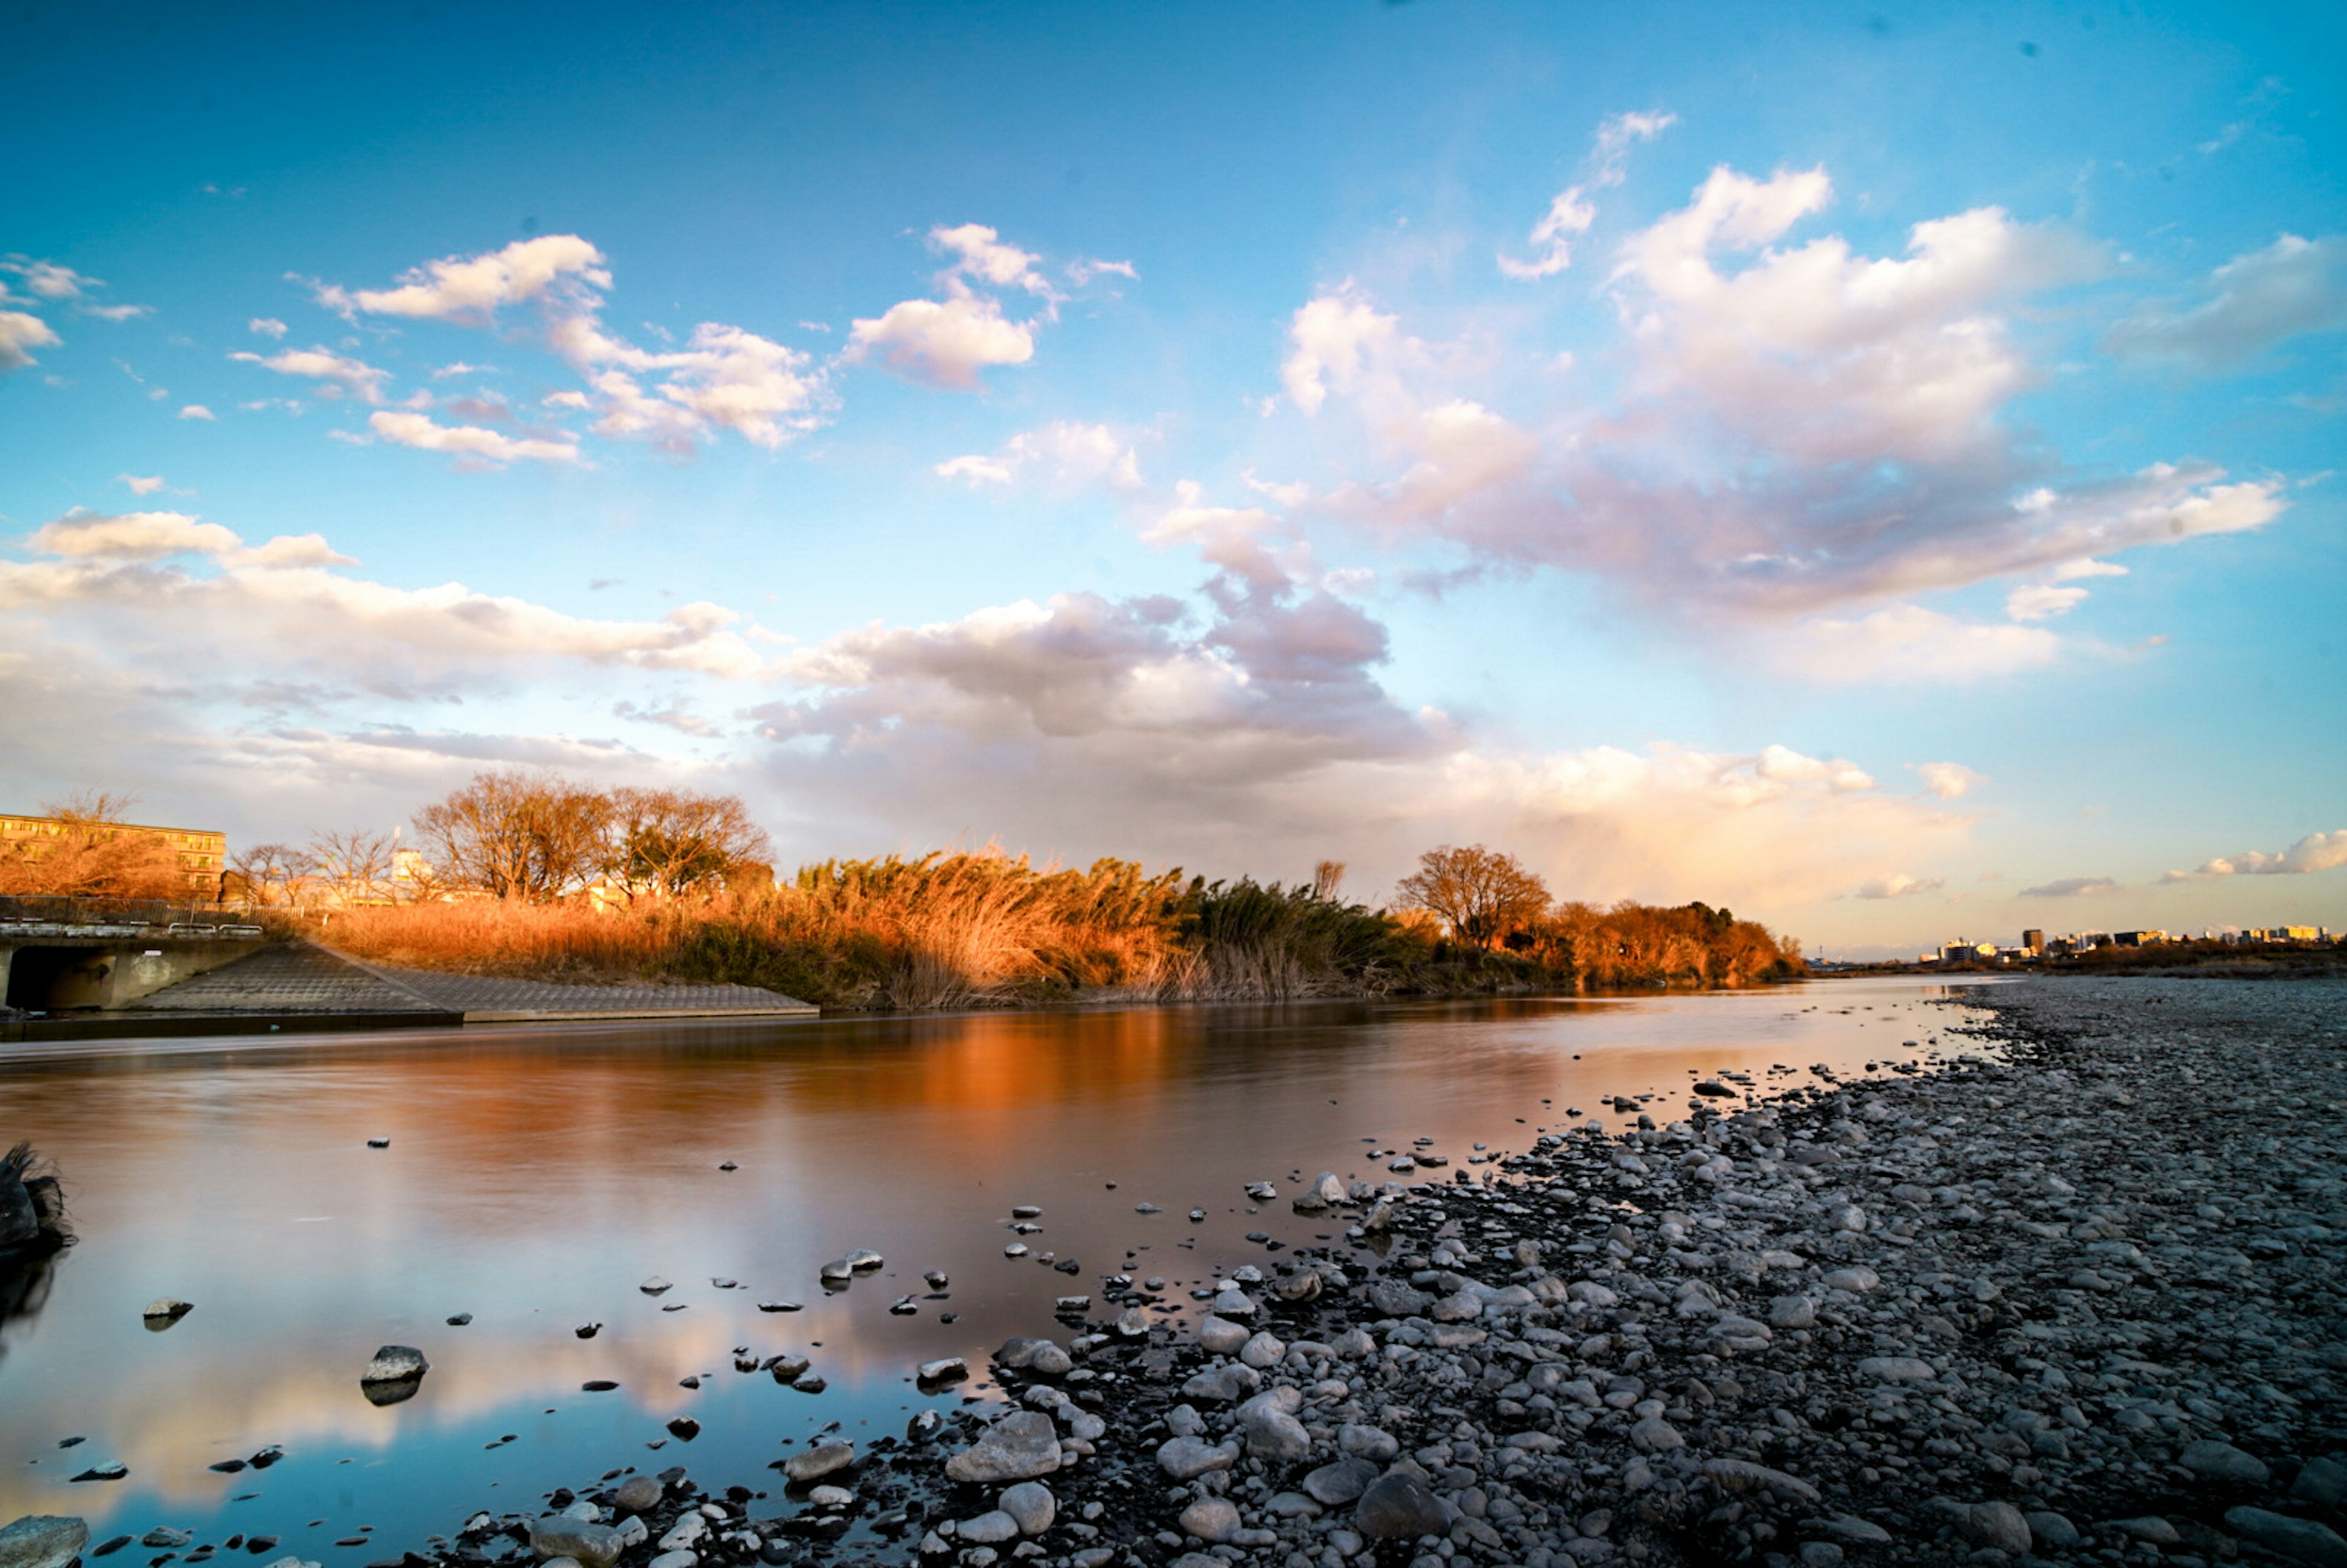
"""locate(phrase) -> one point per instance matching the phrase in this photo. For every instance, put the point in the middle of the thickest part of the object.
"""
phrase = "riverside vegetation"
(528, 875)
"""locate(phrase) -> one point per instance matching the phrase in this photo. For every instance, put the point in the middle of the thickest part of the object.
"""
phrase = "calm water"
(536, 1178)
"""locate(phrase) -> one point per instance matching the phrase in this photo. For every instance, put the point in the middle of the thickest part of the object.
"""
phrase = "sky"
(1869, 466)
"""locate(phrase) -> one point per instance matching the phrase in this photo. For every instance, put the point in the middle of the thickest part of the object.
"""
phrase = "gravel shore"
(2076, 1299)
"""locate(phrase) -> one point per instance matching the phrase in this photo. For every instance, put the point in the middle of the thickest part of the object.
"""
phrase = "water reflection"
(536, 1180)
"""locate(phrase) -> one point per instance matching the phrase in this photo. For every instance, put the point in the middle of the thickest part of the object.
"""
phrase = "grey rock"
(2299, 1540)
(1221, 1337)
(1742, 1475)
(1997, 1524)
(396, 1364)
(1896, 1368)
(1372, 1443)
(2051, 1529)
(1262, 1350)
(988, 1528)
(163, 1538)
(1044, 1357)
(639, 1493)
(1021, 1446)
(42, 1541)
(1793, 1312)
(2148, 1527)
(1654, 1434)
(1188, 1458)
(810, 1465)
(2322, 1482)
(165, 1310)
(1272, 1434)
(1342, 1480)
(1399, 1506)
(1858, 1532)
(2223, 1463)
(1030, 1503)
(1212, 1520)
(590, 1545)
(1221, 1385)
(944, 1370)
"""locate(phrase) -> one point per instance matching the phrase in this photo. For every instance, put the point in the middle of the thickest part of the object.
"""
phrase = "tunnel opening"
(53, 979)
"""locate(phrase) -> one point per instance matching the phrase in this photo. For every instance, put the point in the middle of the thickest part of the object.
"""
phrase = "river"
(537, 1178)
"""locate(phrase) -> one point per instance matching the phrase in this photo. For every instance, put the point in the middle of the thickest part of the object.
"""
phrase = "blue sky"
(1872, 466)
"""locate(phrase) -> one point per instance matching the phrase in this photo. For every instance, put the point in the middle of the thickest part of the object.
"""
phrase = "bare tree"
(673, 842)
(269, 873)
(354, 865)
(518, 833)
(1482, 895)
(93, 853)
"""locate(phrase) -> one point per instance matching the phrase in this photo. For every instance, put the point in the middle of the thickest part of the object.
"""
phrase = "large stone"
(1342, 1480)
(396, 1364)
(639, 1493)
(1031, 1502)
(2299, 1540)
(1399, 1506)
(810, 1465)
(1188, 1458)
(1896, 1368)
(42, 1541)
(1220, 1336)
(1743, 1475)
(1262, 1350)
(1221, 1385)
(1272, 1434)
(1997, 1524)
(988, 1528)
(2224, 1464)
(1021, 1446)
(1212, 1519)
(590, 1545)
(1654, 1434)
(1044, 1358)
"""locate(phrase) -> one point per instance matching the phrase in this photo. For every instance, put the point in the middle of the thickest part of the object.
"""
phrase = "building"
(2033, 943)
(2139, 939)
(201, 856)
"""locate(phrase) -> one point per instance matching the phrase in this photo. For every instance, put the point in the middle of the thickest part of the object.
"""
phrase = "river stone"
(1264, 1350)
(639, 1493)
(1220, 1336)
(2222, 1462)
(1341, 1480)
(2321, 1481)
(1399, 1506)
(2050, 1528)
(1654, 1435)
(2299, 1540)
(1044, 1357)
(1793, 1312)
(590, 1545)
(42, 1541)
(679, 1558)
(1896, 1368)
(1221, 1385)
(1272, 1434)
(1021, 1446)
(988, 1528)
(2149, 1527)
(396, 1364)
(1997, 1524)
(944, 1370)
(1858, 1279)
(1212, 1520)
(1743, 1475)
(166, 1310)
(1030, 1503)
(1373, 1443)
(812, 1464)
(1188, 1458)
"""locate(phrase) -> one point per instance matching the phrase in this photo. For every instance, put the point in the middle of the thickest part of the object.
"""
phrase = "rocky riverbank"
(2076, 1299)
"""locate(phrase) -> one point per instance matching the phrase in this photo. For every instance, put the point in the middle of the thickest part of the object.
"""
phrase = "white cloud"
(472, 288)
(2255, 302)
(267, 326)
(724, 378)
(326, 366)
(197, 411)
(1785, 765)
(2038, 601)
(1571, 213)
(1907, 642)
(141, 536)
(1333, 339)
(19, 335)
(49, 281)
(469, 441)
(1230, 538)
(1084, 271)
(1899, 885)
(2071, 887)
(2315, 852)
(980, 254)
(944, 344)
(142, 485)
(1068, 453)
(1948, 780)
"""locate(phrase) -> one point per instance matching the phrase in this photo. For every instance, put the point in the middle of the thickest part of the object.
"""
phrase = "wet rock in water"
(1020, 1446)
(787, 1368)
(902, 1306)
(1261, 1192)
(2223, 1463)
(1044, 1358)
(587, 1330)
(597, 1386)
(1715, 1089)
(935, 1279)
(924, 1427)
(720, 1282)
(839, 1271)
(2298, 1540)
(1015, 1249)
(863, 1260)
(811, 1385)
(655, 1286)
(639, 1493)
(42, 1541)
(1026, 1212)
(1197, 1216)
(460, 1320)
(1399, 1506)
(112, 1470)
(588, 1544)
(816, 1463)
(683, 1429)
(164, 1311)
(163, 1538)
(779, 1307)
(394, 1375)
(944, 1370)
(1032, 1504)
(378, 1143)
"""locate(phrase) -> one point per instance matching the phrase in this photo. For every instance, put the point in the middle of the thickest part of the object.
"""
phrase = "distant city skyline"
(1875, 473)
